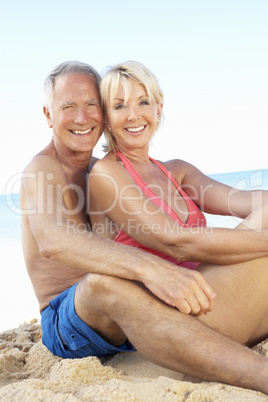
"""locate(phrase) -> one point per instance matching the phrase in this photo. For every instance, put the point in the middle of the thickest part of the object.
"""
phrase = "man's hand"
(184, 289)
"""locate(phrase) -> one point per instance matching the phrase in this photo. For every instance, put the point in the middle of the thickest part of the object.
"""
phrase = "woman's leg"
(241, 306)
(257, 220)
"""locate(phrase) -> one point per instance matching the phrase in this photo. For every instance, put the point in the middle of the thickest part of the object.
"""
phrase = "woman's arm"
(115, 195)
(214, 197)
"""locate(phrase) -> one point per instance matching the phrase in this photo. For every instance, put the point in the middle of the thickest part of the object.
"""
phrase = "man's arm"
(55, 217)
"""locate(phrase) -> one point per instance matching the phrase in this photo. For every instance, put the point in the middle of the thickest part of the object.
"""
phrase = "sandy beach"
(29, 372)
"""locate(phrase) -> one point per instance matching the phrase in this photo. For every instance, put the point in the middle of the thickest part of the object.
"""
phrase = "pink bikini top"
(195, 216)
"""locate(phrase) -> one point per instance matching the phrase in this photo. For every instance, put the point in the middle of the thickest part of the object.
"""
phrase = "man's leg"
(117, 308)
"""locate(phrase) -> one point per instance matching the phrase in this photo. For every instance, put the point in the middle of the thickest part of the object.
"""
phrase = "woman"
(138, 201)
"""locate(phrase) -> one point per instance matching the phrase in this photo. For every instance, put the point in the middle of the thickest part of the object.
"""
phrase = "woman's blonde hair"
(120, 74)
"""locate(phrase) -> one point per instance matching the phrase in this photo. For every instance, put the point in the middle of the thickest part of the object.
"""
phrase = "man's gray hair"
(65, 68)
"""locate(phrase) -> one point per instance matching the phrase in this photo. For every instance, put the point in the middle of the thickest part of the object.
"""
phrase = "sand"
(29, 372)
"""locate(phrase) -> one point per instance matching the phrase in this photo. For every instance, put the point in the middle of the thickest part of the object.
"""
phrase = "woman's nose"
(133, 114)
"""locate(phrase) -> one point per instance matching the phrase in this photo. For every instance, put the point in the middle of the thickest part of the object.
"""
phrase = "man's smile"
(82, 132)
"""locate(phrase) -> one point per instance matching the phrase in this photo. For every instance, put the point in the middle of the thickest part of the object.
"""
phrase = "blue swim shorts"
(67, 336)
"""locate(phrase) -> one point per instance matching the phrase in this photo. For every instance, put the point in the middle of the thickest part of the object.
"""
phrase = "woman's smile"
(135, 130)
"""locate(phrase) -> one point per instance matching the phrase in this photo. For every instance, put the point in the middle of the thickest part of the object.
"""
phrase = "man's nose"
(81, 116)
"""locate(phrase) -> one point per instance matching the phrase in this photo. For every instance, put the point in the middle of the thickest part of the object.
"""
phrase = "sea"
(17, 300)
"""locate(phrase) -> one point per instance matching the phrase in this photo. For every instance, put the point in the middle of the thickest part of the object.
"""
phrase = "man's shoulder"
(45, 159)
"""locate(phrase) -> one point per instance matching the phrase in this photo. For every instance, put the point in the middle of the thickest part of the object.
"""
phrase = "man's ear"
(48, 116)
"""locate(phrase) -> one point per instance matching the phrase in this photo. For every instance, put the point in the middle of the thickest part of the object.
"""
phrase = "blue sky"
(211, 58)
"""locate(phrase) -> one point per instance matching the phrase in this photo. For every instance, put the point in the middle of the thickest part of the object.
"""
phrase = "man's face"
(76, 115)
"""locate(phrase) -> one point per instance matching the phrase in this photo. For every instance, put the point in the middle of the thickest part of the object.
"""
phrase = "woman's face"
(132, 121)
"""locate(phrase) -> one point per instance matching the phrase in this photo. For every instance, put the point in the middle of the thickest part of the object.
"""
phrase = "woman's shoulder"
(179, 169)
(175, 165)
(109, 164)
(107, 161)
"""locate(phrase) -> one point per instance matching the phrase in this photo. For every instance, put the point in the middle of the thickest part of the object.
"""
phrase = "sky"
(211, 58)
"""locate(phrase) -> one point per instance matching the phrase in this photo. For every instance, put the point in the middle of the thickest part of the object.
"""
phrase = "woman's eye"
(119, 106)
(145, 102)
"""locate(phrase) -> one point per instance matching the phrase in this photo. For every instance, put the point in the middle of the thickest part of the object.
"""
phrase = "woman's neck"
(136, 155)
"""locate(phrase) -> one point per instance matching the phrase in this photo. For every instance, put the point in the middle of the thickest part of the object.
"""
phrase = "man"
(97, 297)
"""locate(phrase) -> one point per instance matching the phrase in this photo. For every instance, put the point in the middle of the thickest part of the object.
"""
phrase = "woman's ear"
(159, 110)
(107, 124)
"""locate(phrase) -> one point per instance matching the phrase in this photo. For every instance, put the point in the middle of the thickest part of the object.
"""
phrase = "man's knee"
(91, 281)
(90, 299)
(97, 291)
(89, 290)
(96, 284)
(95, 301)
